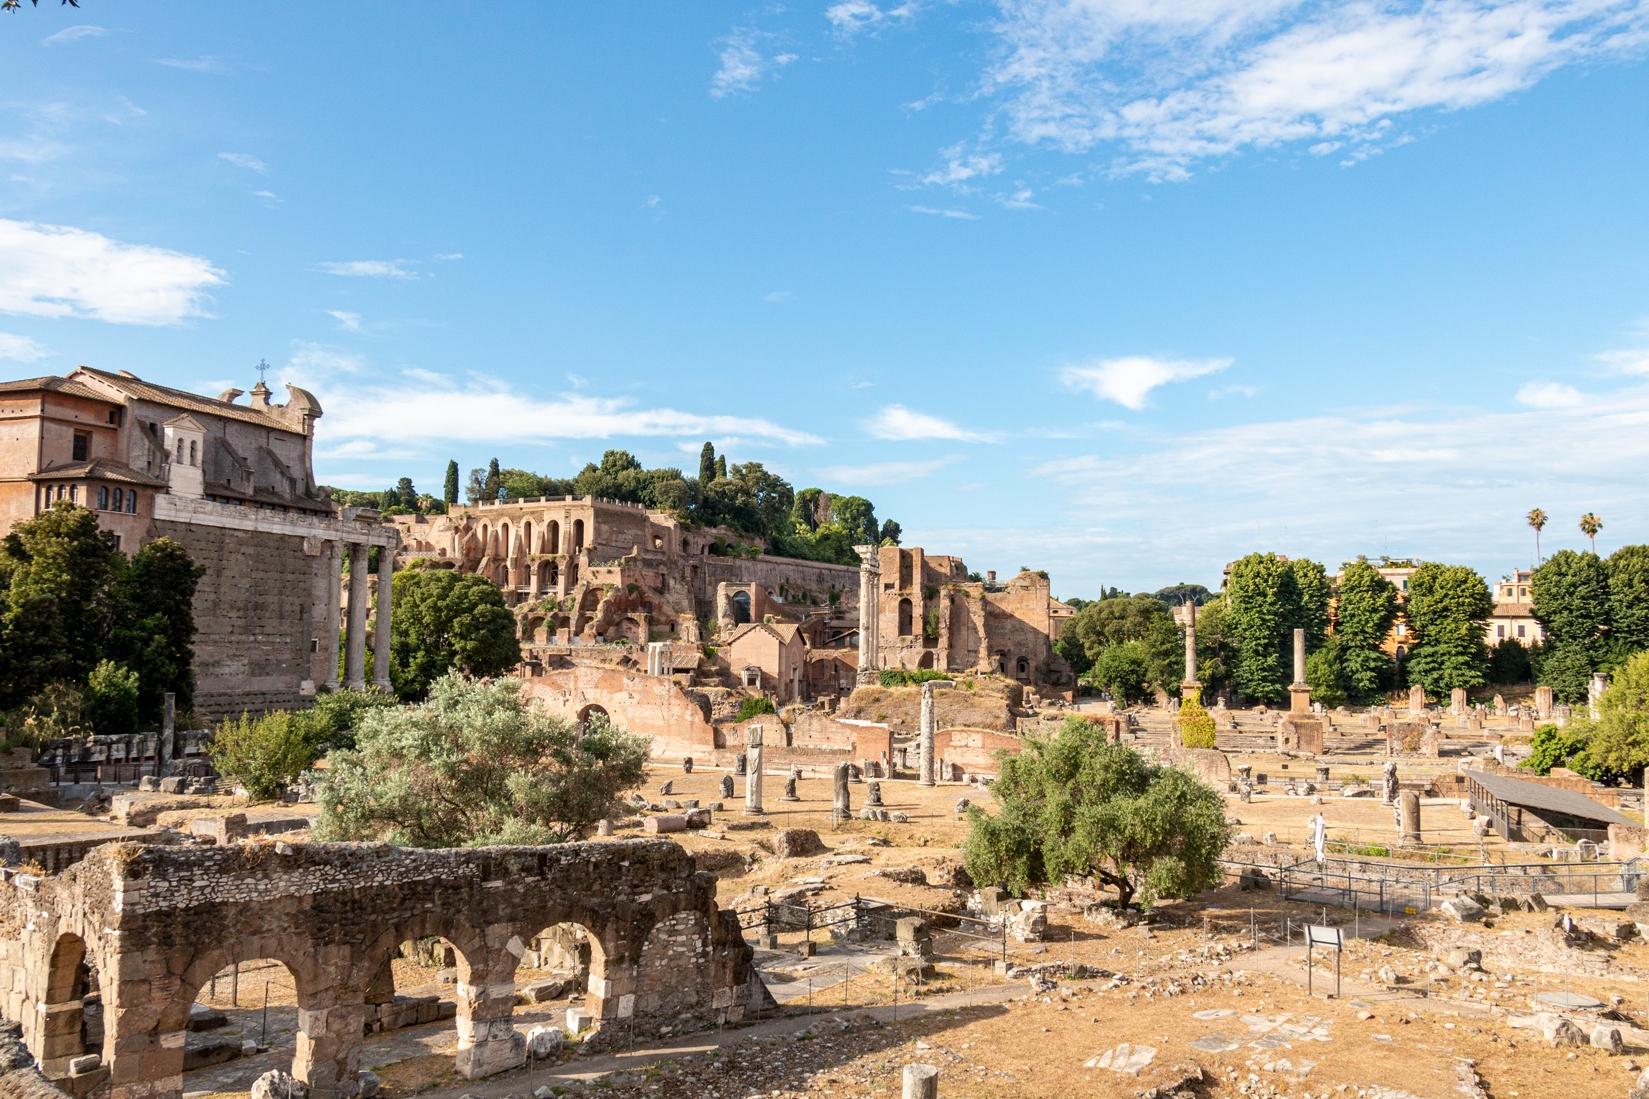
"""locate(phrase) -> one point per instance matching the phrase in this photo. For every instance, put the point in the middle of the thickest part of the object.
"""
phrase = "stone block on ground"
(276, 1084)
(793, 843)
(202, 1017)
(1463, 909)
(545, 1042)
(543, 991)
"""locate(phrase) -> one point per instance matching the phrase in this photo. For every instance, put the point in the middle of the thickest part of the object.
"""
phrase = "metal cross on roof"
(261, 368)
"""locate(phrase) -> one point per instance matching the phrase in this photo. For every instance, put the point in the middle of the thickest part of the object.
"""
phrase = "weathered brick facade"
(155, 923)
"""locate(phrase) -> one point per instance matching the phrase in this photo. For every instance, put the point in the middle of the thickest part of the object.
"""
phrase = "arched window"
(555, 538)
(578, 535)
(504, 540)
(741, 607)
(526, 538)
(103, 498)
(904, 618)
(194, 455)
(180, 452)
(74, 493)
(131, 501)
(120, 499)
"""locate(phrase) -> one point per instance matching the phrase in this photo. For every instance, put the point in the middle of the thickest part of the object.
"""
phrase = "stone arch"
(741, 607)
(1022, 669)
(904, 618)
(553, 543)
(534, 623)
(592, 708)
(484, 543)
(504, 548)
(578, 535)
(526, 536)
(64, 1030)
(926, 661)
(630, 629)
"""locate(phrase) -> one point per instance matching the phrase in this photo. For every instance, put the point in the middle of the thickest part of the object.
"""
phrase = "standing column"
(380, 632)
(869, 578)
(355, 653)
(1189, 687)
(1299, 691)
(924, 737)
(334, 601)
(753, 774)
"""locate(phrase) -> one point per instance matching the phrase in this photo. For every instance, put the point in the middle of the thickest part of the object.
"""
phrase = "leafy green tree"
(1553, 747)
(391, 498)
(891, 532)
(1310, 612)
(1617, 743)
(408, 494)
(475, 765)
(1124, 670)
(811, 509)
(1567, 670)
(1364, 614)
(1076, 806)
(57, 570)
(1629, 600)
(110, 705)
(1175, 595)
(494, 482)
(1326, 673)
(154, 627)
(1509, 662)
(1571, 599)
(1196, 725)
(263, 753)
(337, 714)
(446, 621)
(1264, 597)
(707, 465)
(1214, 660)
(475, 490)
(1448, 608)
(449, 489)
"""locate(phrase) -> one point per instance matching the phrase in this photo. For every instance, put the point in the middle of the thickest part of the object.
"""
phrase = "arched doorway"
(904, 618)
(554, 540)
(241, 1000)
(741, 607)
(926, 661)
(589, 712)
(71, 1016)
(578, 535)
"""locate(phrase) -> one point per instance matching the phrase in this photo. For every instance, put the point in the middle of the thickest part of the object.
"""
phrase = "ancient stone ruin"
(153, 924)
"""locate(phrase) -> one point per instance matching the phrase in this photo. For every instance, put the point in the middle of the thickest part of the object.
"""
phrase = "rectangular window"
(1520, 629)
(82, 446)
(120, 499)
(103, 498)
(1500, 631)
(131, 502)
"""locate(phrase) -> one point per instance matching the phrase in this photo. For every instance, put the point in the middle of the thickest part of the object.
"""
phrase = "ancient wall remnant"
(155, 923)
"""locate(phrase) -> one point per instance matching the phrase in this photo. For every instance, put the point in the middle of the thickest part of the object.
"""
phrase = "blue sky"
(1118, 289)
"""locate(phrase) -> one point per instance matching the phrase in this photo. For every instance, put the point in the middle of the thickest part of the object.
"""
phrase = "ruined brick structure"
(234, 484)
(153, 924)
(931, 615)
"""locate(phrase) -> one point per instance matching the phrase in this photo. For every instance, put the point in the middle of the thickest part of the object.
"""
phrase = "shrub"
(755, 707)
(901, 677)
(264, 753)
(111, 699)
(336, 714)
(1196, 725)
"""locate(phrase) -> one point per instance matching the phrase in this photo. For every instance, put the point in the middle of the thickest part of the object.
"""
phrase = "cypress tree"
(494, 481)
(707, 464)
(450, 491)
(721, 467)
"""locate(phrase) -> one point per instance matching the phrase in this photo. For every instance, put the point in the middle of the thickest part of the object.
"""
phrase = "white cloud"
(1172, 83)
(961, 215)
(495, 410)
(20, 348)
(1550, 395)
(1626, 362)
(778, 295)
(370, 268)
(314, 360)
(1335, 485)
(245, 160)
(214, 65)
(449, 256)
(885, 473)
(73, 34)
(743, 64)
(1232, 391)
(351, 321)
(268, 196)
(853, 16)
(1128, 381)
(58, 271)
(898, 422)
(961, 166)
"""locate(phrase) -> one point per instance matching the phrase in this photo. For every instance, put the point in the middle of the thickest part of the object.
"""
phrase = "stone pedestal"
(1300, 733)
(753, 779)
(842, 807)
(1408, 817)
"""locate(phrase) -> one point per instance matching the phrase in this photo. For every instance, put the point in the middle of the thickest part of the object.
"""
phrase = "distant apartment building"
(1514, 611)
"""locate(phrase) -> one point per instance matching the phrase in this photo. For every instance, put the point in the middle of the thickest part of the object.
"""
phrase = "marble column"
(1189, 687)
(380, 631)
(334, 603)
(1299, 691)
(870, 575)
(355, 641)
(927, 731)
(753, 773)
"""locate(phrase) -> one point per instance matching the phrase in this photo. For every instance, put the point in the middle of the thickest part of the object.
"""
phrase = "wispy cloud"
(351, 321)
(268, 196)
(20, 348)
(852, 17)
(1635, 361)
(1173, 83)
(1128, 381)
(960, 215)
(1550, 395)
(962, 165)
(58, 271)
(216, 66)
(73, 34)
(245, 160)
(448, 257)
(369, 268)
(315, 360)
(1225, 391)
(898, 422)
(496, 410)
(744, 62)
(778, 295)
(885, 473)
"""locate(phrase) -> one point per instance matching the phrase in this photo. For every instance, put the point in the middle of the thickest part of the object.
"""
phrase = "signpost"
(1331, 937)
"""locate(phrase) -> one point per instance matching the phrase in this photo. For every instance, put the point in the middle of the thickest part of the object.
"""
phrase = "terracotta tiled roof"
(98, 470)
(54, 384)
(178, 398)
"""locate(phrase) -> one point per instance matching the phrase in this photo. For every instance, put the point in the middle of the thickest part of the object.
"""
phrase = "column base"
(1190, 689)
(383, 684)
(1299, 698)
(357, 684)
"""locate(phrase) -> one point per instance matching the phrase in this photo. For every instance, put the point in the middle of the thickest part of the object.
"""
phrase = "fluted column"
(869, 577)
(355, 640)
(334, 610)
(380, 632)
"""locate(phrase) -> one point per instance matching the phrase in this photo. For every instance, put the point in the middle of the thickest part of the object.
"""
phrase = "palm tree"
(1589, 526)
(1537, 520)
